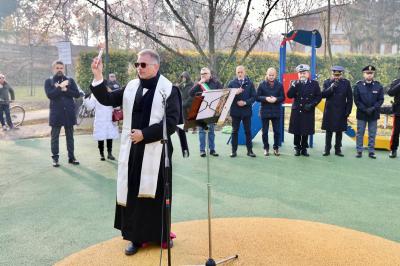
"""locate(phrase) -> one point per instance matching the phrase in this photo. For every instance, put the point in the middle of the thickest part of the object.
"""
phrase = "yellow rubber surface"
(258, 241)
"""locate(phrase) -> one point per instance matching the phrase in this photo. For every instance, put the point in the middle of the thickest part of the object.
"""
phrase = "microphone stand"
(210, 261)
(167, 191)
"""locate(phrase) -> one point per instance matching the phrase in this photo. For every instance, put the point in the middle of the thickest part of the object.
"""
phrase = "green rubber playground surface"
(47, 214)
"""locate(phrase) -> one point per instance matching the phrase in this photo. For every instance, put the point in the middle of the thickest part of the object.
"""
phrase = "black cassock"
(140, 220)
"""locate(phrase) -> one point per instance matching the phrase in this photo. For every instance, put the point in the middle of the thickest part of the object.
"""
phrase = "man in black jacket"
(241, 109)
(5, 92)
(339, 101)
(394, 91)
(271, 95)
(306, 94)
(368, 97)
(61, 90)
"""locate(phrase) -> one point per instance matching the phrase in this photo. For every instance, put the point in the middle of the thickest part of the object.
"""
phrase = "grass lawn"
(47, 213)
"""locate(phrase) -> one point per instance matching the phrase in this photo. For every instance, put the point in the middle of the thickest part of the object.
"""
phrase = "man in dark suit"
(306, 94)
(270, 94)
(241, 109)
(394, 91)
(339, 101)
(61, 90)
(368, 97)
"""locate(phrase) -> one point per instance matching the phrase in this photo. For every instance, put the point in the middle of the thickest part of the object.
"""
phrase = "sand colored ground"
(258, 241)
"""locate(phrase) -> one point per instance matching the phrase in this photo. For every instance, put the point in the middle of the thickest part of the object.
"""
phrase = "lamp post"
(107, 58)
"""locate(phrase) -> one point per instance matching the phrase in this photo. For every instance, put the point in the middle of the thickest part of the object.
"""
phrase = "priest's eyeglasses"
(142, 65)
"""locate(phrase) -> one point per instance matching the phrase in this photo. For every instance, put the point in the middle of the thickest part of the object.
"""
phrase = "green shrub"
(172, 66)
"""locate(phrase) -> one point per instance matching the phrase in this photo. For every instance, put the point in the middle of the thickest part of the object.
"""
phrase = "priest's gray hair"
(153, 54)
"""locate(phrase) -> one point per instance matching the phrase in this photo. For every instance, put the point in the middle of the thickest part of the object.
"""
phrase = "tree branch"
(235, 45)
(190, 33)
(146, 33)
(262, 28)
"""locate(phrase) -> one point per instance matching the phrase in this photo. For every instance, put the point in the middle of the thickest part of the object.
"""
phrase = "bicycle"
(17, 113)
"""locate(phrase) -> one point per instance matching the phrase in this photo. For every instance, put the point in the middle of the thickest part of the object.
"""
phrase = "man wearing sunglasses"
(140, 183)
(206, 82)
(339, 101)
(368, 97)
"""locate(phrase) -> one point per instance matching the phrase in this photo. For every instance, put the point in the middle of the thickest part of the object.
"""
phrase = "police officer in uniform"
(394, 91)
(339, 101)
(368, 97)
(241, 109)
(306, 94)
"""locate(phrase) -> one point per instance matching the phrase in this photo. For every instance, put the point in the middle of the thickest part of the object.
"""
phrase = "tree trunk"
(328, 33)
(211, 36)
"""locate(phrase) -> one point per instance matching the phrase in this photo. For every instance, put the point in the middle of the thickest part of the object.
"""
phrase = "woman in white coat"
(103, 127)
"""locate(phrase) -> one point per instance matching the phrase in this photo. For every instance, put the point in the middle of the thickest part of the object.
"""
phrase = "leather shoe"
(73, 161)
(202, 154)
(326, 153)
(359, 154)
(393, 154)
(372, 155)
(214, 153)
(233, 154)
(55, 163)
(305, 153)
(339, 153)
(131, 249)
(297, 153)
(266, 152)
(110, 156)
(276, 152)
(251, 154)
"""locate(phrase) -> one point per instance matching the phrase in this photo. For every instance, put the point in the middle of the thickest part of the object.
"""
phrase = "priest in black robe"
(140, 212)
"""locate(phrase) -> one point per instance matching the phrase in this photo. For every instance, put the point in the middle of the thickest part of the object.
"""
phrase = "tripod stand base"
(211, 262)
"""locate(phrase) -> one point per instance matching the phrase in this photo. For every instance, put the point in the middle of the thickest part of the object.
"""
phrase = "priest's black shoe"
(326, 153)
(214, 153)
(73, 161)
(131, 249)
(339, 153)
(251, 154)
(297, 152)
(359, 154)
(305, 153)
(110, 156)
(55, 163)
(372, 155)
(233, 154)
(393, 154)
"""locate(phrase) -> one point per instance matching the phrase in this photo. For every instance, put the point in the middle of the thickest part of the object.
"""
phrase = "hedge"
(256, 65)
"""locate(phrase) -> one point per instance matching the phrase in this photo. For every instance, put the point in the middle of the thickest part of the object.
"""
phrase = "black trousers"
(5, 108)
(55, 136)
(301, 142)
(247, 130)
(101, 146)
(338, 140)
(275, 127)
(394, 140)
